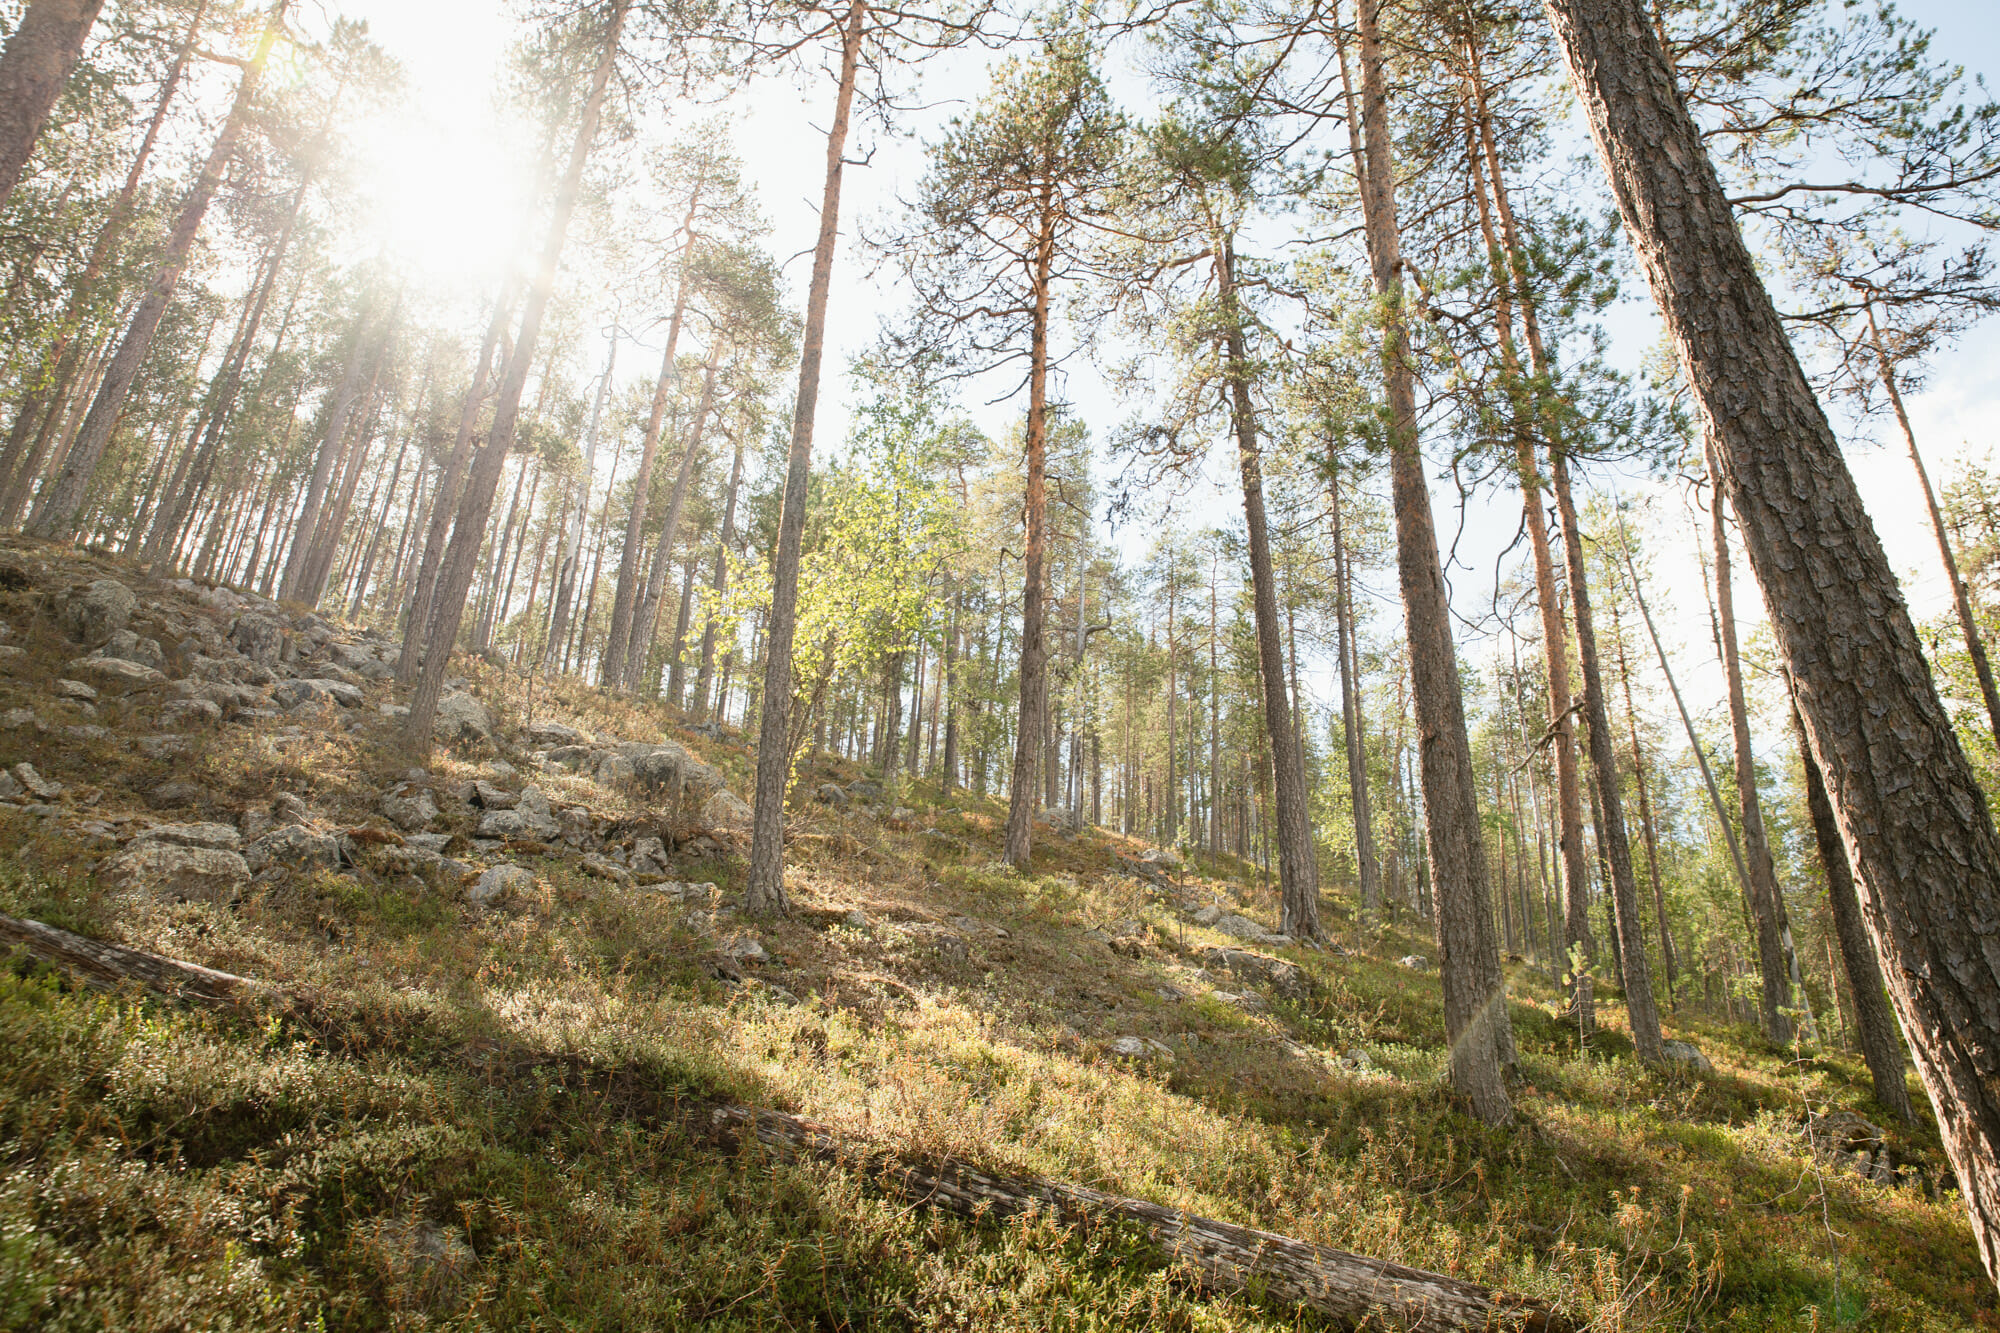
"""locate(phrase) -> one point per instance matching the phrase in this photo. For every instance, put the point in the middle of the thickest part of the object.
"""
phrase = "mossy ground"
(509, 1081)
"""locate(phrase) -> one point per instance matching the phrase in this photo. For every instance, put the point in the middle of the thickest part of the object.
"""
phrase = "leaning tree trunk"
(1766, 906)
(61, 505)
(40, 53)
(1298, 875)
(1918, 833)
(1880, 1045)
(764, 890)
(468, 530)
(1476, 1025)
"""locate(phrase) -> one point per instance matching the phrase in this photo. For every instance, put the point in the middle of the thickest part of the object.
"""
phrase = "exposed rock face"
(294, 845)
(126, 645)
(174, 868)
(726, 811)
(410, 808)
(302, 693)
(498, 884)
(93, 613)
(1285, 979)
(555, 733)
(530, 818)
(35, 784)
(190, 713)
(115, 675)
(460, 717)
(216, 837)
(258, 637)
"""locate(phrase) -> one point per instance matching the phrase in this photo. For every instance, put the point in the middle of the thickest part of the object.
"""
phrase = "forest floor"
(472, 1128)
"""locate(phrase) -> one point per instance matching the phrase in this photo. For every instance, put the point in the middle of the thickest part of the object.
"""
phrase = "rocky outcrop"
(93, 613)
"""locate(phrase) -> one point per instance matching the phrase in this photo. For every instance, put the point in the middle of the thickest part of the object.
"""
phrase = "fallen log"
(111, 966)
(1350, 1289)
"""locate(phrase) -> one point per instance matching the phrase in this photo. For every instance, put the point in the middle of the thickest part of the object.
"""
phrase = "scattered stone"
(902, 817)
(489, 797)
(74, 689)
(1415, 962)
(178, 793)
(858, 919)
(725, 810)
(10, 789)
(189, 871)
(1286, 979)
(37, 786)
(290, 808)
(833, 794)
(215, 837)
(1242, 927)
(436, 842)
(460, 717)
(747, 950)
(86, 731)
(422, 1258)
(410, 809)
(92, 614)
(1208, 915)
(555, 733)
(126, 645)
(1356, 1059)
(163, 747)
(497, 884)
(190, 713)
(1684, 1053)
(258, 637)
(294, 694)
(294, 845)
(115, 675)
(1144, 1048)
(16, 718)
(600, 868)
(866, 790)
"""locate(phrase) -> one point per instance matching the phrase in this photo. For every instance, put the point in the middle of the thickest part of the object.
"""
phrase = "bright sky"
(440, 162)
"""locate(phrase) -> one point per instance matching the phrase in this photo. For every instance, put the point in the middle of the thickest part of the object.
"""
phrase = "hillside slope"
(509, 968)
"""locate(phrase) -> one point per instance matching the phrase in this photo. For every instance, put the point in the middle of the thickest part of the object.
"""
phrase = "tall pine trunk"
(1476, 1024)
(764, 890)
(1034, 680)
(40, 53)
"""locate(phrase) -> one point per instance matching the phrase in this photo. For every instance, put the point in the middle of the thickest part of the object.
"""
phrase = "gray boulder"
(411, 809)
(93, 613)
(174, 868)
(115, 675)
(1685, 1054)
(833, 794)
(35, 784)
(1284, 978)
(215, 837)
(460, 717)
(315, 690)
(294, 845)
(555, 733)
(726, 811)
(129, 646)
(498, 884)
(190, 713)
(258, 637)
(531, 818)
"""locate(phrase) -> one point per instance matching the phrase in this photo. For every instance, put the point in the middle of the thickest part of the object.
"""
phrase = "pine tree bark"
(764, 890)
(60, 506)
(468, 529)
(1645, 809)
(1367, 864)
(1476, 1024)
(40, 53)
(1919, 837)
(638, 657)
(1034, 680)
(624, 604)
(569, 556)
(718, 585)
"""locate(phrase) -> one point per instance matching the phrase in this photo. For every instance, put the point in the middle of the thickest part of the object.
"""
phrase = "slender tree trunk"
(1367, 866)
(765, 887)
(469, 529)
(1613, 843)
(1880, 1045)
(718, 585)
(569, 557)
(639, 657)
(58, 508)
(1766, 906)
(1298, 875)
(1476, 1024)
(1645, 807)
(35, 65)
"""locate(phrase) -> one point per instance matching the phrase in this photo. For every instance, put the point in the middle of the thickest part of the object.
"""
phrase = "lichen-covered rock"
(190, 713)
(498, 884)
(1285, 979)
(174, 868)
(530, 818)
(460, 717)
(314, 690)
(833, 794)
(93, 613)
(294, 845)
(726, 811)
(600, 868)
(258, 637)
(555, 733)
(75, 689)
(411, 809)
(36, 785)
(215, 837)
(115, 675)
(129, 646)
(1684, 1053)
